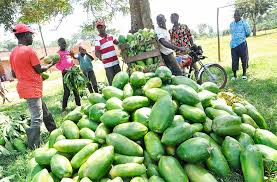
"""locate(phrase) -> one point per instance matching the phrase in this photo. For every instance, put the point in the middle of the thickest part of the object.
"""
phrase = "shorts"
(240, 52)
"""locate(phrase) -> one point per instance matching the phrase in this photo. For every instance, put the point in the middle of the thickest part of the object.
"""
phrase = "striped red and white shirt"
(105, 44)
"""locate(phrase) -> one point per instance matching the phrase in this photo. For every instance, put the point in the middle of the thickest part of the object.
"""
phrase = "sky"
(192, 13)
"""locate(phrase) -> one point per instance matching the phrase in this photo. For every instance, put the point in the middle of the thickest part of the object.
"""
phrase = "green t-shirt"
(85, 62)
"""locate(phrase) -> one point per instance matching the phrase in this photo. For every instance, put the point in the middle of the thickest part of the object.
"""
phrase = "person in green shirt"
(85, 60)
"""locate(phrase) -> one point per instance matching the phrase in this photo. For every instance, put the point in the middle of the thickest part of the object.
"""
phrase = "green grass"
(260, 89)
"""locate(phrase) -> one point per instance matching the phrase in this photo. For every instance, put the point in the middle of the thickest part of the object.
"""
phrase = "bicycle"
(210, 72)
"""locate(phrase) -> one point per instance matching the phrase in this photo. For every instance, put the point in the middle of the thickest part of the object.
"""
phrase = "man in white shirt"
(166, 47)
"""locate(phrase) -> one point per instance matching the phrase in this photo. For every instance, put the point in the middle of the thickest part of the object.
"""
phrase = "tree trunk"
(254, 20)
(146, 14)
(254, 28)
(140, 15)
(136, 20)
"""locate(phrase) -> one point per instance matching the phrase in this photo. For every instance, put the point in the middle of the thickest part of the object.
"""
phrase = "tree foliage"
(89, 32)
(202, 28)
(32, 11)
(253, 9)
(205, 30)
(106, 9)
(41, 11)
(8, 45)
(9, 10)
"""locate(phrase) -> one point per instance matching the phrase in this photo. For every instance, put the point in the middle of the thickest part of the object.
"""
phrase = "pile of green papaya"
(159, 128)
(145, 40)
(141, 41)
(146, 65)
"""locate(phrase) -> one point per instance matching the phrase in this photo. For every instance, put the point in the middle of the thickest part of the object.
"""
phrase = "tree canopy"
(41, 11)
(9, 10)
(253, 9)
(44, 10)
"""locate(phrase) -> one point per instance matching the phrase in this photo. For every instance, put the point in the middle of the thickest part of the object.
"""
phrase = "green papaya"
(171, 170)
(114, 117)
(114, 103)
(163, 107)
(192, 114)
(197, 173)
(231, 149)
(186, 95)
(252, 164)
(265, 137)
(153, 146)
(194, 150)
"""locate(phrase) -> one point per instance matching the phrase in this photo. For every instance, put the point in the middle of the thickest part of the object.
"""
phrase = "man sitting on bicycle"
(166, 47)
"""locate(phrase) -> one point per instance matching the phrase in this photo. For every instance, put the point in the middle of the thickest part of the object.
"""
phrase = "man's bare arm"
(90, 56)
(170, 45)
(41, 68)
(13, 74)
(98, 54)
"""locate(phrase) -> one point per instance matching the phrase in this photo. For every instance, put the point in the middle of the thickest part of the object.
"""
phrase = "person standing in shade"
(166, 47)
(105, 51)
(239, 30)
(64, 64)
(26, 67)
(85, 60)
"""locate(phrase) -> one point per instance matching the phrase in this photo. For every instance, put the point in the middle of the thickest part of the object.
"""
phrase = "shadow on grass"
(261, 93)
(265, 34)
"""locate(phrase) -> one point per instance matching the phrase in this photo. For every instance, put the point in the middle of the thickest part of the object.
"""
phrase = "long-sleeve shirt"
(239, 31)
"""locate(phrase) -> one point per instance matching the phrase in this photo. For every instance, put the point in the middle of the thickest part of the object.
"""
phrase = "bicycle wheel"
(213, 73)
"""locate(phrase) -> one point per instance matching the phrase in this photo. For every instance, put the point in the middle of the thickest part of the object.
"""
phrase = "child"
(2, 93)
(85, 63)
(64, 64)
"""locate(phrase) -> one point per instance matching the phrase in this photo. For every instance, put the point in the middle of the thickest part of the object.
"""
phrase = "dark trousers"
(111, 72)
(240, 52)
(92, 85)
(66, 94)
(171, 63)
(40, 113)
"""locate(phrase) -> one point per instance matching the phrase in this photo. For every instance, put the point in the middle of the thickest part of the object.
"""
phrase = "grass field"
(260, 89)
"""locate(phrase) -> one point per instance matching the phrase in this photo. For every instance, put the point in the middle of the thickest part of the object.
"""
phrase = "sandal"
(244, 77)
